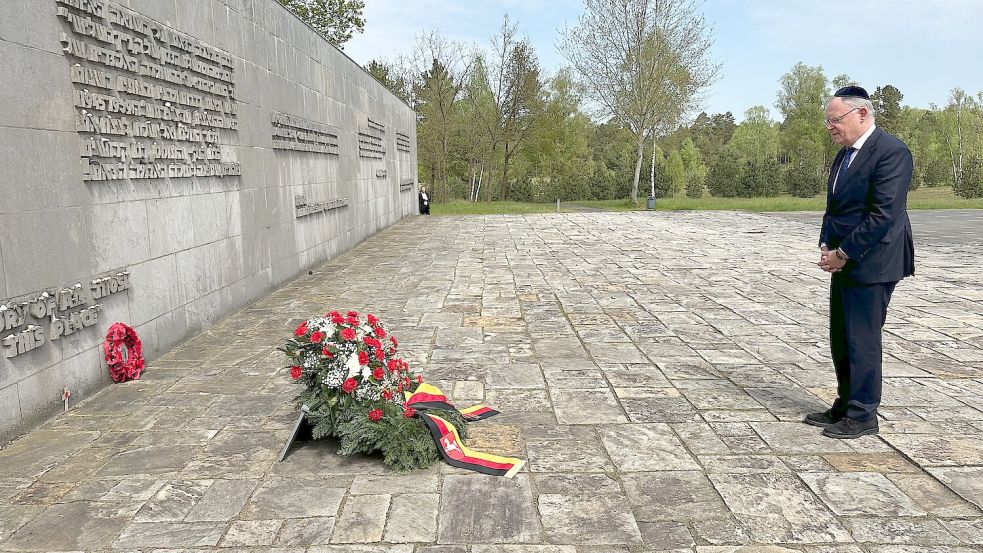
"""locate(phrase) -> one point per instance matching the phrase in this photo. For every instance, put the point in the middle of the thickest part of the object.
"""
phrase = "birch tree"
(514, 80)
(644, 62)
(437, 69)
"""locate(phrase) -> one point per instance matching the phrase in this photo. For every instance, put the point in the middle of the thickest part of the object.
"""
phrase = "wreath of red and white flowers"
(124, 353)
(354, 356)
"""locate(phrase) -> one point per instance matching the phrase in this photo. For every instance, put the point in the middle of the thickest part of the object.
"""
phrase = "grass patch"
(462, 207)
(940, 197)
(778, 203)
(924, 198)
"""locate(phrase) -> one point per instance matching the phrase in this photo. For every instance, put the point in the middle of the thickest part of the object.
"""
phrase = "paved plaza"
(651, 367)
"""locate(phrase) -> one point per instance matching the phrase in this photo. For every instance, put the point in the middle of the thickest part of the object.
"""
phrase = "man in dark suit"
(866, 245)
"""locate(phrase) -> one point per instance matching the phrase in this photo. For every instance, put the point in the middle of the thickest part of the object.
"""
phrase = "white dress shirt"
(856, 150)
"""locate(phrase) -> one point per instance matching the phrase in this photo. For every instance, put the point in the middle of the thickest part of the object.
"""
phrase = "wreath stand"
(303, 432)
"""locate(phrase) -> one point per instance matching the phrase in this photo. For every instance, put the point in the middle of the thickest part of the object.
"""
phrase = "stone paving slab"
(654, 385)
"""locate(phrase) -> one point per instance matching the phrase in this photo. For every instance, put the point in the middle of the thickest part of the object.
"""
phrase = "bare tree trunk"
(652, 176)
(638, 169)
(505, 174)
(477, 191)
(959, 137)
(471, 190)
(952, 159)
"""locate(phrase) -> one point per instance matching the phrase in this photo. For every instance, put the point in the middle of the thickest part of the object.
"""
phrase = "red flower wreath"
(124, 353)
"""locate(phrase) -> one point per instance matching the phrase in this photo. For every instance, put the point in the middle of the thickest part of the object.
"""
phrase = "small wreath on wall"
(124, 353)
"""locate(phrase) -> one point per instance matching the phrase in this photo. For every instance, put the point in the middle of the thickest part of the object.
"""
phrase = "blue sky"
(925, 48)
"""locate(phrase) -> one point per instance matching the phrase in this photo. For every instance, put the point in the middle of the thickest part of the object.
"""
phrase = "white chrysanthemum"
(353, 366)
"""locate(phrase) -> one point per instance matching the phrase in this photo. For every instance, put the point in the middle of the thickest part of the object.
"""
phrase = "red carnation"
(333, 314)
(349, 386)
(392, 365)
(375, 415)
(336, 318)
(352, 321)
(379, 332)
(408, 412)
(352, 313)
(393, 340)
(301, 330)
(378, 373)
(347, 334)
(327, 353)
(296, 372)
(419, 379)
(387, 395)
(372, 320)
(379, 354)
(317, 336)
(363, 358)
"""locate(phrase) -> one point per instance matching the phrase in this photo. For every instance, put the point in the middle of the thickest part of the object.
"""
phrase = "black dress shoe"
(848, 429)
(824, 419)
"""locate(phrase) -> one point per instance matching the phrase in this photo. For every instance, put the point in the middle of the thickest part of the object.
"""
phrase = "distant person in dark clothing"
(424, 201)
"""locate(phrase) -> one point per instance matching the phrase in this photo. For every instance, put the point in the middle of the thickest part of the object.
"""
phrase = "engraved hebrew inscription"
(295, 133)
(150, 102)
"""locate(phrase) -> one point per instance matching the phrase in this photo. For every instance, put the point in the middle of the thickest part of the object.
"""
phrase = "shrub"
(802, 181)
(971, 185)
(724, 174)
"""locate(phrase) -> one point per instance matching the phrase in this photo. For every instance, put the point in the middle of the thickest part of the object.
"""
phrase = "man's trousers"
(856, 314)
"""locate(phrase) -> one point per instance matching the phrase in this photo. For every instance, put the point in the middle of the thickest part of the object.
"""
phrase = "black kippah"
(852, 92)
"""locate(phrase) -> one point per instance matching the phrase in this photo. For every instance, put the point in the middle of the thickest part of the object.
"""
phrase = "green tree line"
(493, 125)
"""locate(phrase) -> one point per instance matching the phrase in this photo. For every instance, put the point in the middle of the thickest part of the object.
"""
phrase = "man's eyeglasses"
(838, 120)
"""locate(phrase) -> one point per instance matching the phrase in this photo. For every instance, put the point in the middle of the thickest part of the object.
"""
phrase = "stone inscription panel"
(305, 208)
(64, 312)
(371, 140)
(295, 133)
(150, 102)
(402, 142)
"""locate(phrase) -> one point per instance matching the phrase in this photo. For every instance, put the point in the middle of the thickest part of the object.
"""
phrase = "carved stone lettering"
(304, 208)
(51, 306)
(295, 133)
(161, 103)
(371, 140)
(402, 142)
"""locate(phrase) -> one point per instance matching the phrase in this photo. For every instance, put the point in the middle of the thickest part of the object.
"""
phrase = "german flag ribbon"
(427, 396)
(456, 454)
(448, 441)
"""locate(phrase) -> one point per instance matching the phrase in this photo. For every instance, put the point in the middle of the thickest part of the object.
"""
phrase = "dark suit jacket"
(866, 217)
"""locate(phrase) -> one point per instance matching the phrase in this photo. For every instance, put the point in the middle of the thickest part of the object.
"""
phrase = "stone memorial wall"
(166, 162)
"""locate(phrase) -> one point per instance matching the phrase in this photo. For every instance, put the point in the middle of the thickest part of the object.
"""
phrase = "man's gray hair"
(856, 102)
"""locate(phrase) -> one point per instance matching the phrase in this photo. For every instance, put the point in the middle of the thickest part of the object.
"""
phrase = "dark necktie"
(844, 165)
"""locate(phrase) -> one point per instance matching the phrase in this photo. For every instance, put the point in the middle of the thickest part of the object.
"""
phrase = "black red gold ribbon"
(456, 454)
(430, 397)
(449, 443)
